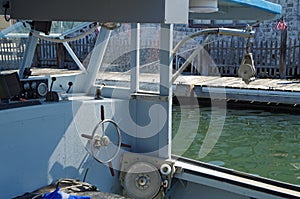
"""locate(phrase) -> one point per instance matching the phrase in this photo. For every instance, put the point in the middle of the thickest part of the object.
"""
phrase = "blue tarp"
(259, 4)
(61, 195)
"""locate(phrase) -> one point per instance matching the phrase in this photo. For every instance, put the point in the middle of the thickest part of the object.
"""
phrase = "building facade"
(291, 16)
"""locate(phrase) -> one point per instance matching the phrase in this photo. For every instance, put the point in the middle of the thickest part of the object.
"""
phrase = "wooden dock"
(278, 91)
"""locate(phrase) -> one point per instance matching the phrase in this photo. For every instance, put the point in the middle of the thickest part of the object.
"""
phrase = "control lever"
(70, 84)
(51, 95)
(99, 92)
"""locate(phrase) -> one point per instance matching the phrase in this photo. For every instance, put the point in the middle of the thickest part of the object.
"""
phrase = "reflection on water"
(252, 141)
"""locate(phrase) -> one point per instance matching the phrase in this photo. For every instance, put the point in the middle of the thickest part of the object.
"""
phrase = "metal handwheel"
(105, 141)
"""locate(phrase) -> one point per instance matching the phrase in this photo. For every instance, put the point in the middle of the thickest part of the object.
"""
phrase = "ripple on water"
(252, 141)
(217, 163)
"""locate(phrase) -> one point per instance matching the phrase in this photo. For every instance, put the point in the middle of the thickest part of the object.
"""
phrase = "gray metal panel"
(242, 10)
(155, 11)
(143, 11)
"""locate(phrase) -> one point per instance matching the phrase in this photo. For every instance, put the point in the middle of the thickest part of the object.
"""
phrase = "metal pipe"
(189, 60)
(219, 31)
(247, 33)
(10, 29)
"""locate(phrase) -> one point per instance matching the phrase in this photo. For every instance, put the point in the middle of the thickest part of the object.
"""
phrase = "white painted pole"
(166, 63)
(29, 54)
(96, 58)
(135, 57)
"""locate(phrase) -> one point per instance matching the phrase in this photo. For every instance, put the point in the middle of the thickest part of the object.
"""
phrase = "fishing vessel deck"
(102, 127)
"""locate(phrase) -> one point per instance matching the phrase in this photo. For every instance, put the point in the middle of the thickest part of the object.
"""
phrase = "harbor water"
(258, 142)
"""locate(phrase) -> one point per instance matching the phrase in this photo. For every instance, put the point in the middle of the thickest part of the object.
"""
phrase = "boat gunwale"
(283, 185)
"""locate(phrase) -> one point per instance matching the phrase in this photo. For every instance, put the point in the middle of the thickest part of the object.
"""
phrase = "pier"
(278, 91)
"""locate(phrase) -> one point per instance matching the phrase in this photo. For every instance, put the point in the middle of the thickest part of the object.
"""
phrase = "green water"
(252, 141)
